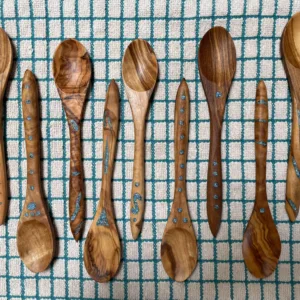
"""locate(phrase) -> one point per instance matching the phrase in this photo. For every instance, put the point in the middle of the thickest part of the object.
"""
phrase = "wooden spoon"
(35, 234)
(179, 245)
(139, 71)
(6, 61)
(72, 74)
(261, 243)
(290, 48)
(102, 251)
(217, 64)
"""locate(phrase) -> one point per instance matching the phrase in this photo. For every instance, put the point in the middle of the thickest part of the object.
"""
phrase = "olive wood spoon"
(72, 74)
(290, 48)
(35, 234)
(261, 243)
(139, 72)
(179, 245)
(102, 250)
(6, 61)
(217, 64)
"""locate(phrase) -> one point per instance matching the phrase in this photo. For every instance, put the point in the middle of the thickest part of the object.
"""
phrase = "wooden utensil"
(139, 71)
(72, 74)
(217, 64)
(261, 243)
(290, 48)
(35, 234)
(6, 61)
(179, 246)
(102, 250)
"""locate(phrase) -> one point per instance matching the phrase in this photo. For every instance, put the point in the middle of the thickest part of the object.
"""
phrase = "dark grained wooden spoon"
(72, 74)
(35, 234)
(217, 64)
(102, 250)
(290, 48)
(261, 243)
(139, 71)
(179, 245)
(6, 61)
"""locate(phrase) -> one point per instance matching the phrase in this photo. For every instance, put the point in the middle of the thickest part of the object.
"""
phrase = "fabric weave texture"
(174, 29)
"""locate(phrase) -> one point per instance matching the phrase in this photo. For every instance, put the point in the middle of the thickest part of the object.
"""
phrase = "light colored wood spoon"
(102, 250)
(290, 48)
(261, 243)
(35, 234)
(139, 71)
(72, 75)
(179, 245)
(6, 61)
(217, 64)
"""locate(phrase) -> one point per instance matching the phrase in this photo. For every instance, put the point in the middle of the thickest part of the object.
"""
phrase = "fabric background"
(174, 29)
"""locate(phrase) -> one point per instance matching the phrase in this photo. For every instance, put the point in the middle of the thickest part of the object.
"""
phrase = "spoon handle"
(261, 139)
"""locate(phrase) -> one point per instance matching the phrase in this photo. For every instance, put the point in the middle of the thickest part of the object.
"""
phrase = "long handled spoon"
(139, 71)
(290, 48)
(179, 246)
(72, 74)
(217, 64)
(102, 250)
(6, 60)
(35, 234)
(261, 243)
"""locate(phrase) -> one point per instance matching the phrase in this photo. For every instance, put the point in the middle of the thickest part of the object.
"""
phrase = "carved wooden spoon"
(139, 71)
(72, 74)
(102, 250)
(6, 60)
(290, 48)
(35, 234)
(217, 64)
(179, 246)
(261, 243)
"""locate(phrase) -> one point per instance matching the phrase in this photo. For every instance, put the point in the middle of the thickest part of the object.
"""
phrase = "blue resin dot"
(137, 184)
(31, 206)
(216, 185)
(28, 101)
(31, 172)
(30, 155)
(215, 173)
(181, 152)
(180, 178)
(31, 187)
(182, 166)
(181, 122)
(182, 97)
(175, 220)
(29, 118)
(32, 214)
(185, 220)
(30, 138)
(179, 209)
(179, 189)
(38, 213)
(216, 197)
(27, 86)
(134, 219)
(218, 94)
(182, 137)
(216, 206)
(26, 214)
(262, 210)
(182, 110)
(215, 163)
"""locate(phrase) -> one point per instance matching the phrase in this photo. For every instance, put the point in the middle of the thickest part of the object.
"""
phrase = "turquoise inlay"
(137, 184)
(181, 122)
(262, 101)
(261, 120)
(31, 155)
(182, 97)
(27, 86)
(38, 213)
(216, 185)
(31, 206)
(215, 173)
(31, 172)
(182, 137)
(29, 118)
(180, 178)
(175, 220)
(30, 138)
(182, 166)
(77, 207)
(107, 120)
(292, 204)
(31, 187)
(296, 167)
(75, 173)
(216, 206)
(179, 209)
(135, 209)
(262, 210)
(28, 101)
(134, 219)
(262, 143)
(185, 220)
(216, 197)
(78, 228)
(215, 163)
(179, 189)
(181, 152)
(218, 94)
(74, 125)
(26, 214)
(182, 110)
(106, 158)
(102, 220)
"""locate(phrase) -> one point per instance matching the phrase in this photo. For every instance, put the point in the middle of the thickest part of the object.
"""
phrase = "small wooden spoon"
(139, 71)
(6, 61)
(217, 64)
(35, 234)
(261, 243)
(102, 250)
(290, 48)
(72, 74)
(179, 246)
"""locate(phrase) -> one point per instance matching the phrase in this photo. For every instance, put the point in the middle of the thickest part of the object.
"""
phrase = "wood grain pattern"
(139, 71)
(261, 243)
(35, 234)
(6, 61)
(102, 250)
(179, 246)
(72, 74)
(217, 64)
(290, 48)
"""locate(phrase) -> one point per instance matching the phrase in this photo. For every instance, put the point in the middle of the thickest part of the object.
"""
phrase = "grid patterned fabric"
(174, 29)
